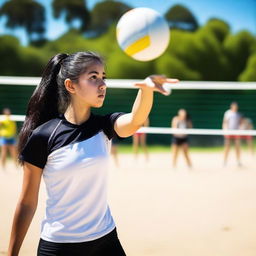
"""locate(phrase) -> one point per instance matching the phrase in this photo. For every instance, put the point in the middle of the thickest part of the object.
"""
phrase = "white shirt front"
(233, 119)
(77, 192)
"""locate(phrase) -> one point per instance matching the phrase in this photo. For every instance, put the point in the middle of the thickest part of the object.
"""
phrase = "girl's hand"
(156, 82)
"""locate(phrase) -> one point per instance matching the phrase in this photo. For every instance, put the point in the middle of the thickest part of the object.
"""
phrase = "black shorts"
(104, 246)
(179, 141)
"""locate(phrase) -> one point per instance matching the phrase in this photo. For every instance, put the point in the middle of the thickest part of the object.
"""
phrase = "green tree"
(238, 48)
(104, 14)
(26, 14)
(73, 10)
(18, 60)
(121, 66)
(199, 54)
(219, 27)
(174, 67)
(9, 51)
(249, 74)
(175, 61)
(181, 17)
(73, 41)
(210, 59)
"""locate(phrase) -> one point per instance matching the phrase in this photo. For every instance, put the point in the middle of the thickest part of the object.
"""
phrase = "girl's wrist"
(149, 85)
(147, 90)
(148, 81)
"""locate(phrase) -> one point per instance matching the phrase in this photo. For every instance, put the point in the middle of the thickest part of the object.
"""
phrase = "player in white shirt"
(231, 121)
(68, 145)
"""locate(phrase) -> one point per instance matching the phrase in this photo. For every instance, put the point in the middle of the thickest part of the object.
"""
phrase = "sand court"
(209, 210)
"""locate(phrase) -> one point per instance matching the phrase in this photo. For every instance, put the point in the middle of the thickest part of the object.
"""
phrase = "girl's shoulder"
(45, 130)
(106, 122)
(36, 149)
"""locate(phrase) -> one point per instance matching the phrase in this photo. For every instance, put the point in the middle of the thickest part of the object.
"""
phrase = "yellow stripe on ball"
(138, 46)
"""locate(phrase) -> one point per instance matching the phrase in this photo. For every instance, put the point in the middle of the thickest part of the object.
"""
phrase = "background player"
(140, 140)
(8, 131)
(246, 124)
(180, 141)
(232, 121)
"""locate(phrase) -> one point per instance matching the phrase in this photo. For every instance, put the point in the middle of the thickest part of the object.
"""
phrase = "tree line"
(209, 52)
(31, 16)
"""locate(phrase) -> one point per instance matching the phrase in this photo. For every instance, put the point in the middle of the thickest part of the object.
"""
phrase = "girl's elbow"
(28, 204)
(129, 131)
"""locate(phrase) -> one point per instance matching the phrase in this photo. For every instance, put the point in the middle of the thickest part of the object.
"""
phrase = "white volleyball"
(143, 34)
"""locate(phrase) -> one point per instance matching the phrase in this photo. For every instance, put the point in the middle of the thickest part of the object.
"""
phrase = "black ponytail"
(50, 97)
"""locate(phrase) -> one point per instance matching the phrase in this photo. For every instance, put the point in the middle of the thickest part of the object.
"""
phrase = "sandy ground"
(207, 211)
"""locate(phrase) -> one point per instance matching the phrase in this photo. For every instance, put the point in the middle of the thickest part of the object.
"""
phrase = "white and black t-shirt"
(74, 159)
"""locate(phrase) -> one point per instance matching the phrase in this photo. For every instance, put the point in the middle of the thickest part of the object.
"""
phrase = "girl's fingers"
(159, 89)
(171, 80)
(157, 84)
(162, 90)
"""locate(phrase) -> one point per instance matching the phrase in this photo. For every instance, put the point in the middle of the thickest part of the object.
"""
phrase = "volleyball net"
(207, 102)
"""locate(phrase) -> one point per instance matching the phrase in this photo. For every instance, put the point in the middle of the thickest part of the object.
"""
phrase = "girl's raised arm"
(129, 123)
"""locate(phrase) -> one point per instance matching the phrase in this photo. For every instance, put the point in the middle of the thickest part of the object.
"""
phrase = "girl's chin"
(99, 105)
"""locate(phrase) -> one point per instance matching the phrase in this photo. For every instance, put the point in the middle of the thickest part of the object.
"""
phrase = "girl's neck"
(77, 115)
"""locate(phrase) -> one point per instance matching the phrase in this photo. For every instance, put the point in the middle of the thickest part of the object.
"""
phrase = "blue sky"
(240, 14)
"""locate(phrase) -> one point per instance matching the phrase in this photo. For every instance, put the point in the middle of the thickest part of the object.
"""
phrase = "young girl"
(231, 121)
(8, 131)
(181, 121)
(140, 138)
(65, 143)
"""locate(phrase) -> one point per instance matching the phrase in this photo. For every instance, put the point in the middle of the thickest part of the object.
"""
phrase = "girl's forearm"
(22, 219)
(142, 106)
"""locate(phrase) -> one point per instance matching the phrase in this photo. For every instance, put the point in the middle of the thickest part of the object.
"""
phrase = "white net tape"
(128, 84)
(163, 130)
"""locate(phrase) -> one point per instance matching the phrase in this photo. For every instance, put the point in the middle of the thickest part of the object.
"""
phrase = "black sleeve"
(36, 150)
(109, 122)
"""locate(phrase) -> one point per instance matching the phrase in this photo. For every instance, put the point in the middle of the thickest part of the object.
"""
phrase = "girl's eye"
(93, 77)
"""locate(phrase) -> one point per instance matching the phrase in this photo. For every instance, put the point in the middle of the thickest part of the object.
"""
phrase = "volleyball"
(143, 34)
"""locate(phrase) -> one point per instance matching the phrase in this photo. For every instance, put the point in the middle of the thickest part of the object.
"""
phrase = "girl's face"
(182, 114)
(7, 111)
(90, 90)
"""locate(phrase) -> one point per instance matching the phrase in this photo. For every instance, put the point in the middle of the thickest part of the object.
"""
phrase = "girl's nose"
(102, 84)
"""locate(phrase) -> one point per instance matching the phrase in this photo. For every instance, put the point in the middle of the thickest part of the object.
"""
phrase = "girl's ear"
(69, 85)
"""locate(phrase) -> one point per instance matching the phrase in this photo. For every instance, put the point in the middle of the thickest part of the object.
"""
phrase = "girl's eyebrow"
(96, 72)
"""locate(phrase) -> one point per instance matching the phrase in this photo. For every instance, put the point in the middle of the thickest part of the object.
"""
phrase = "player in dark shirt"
(65, 143)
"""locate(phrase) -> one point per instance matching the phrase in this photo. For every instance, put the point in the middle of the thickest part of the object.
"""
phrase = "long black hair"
(50, 97)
